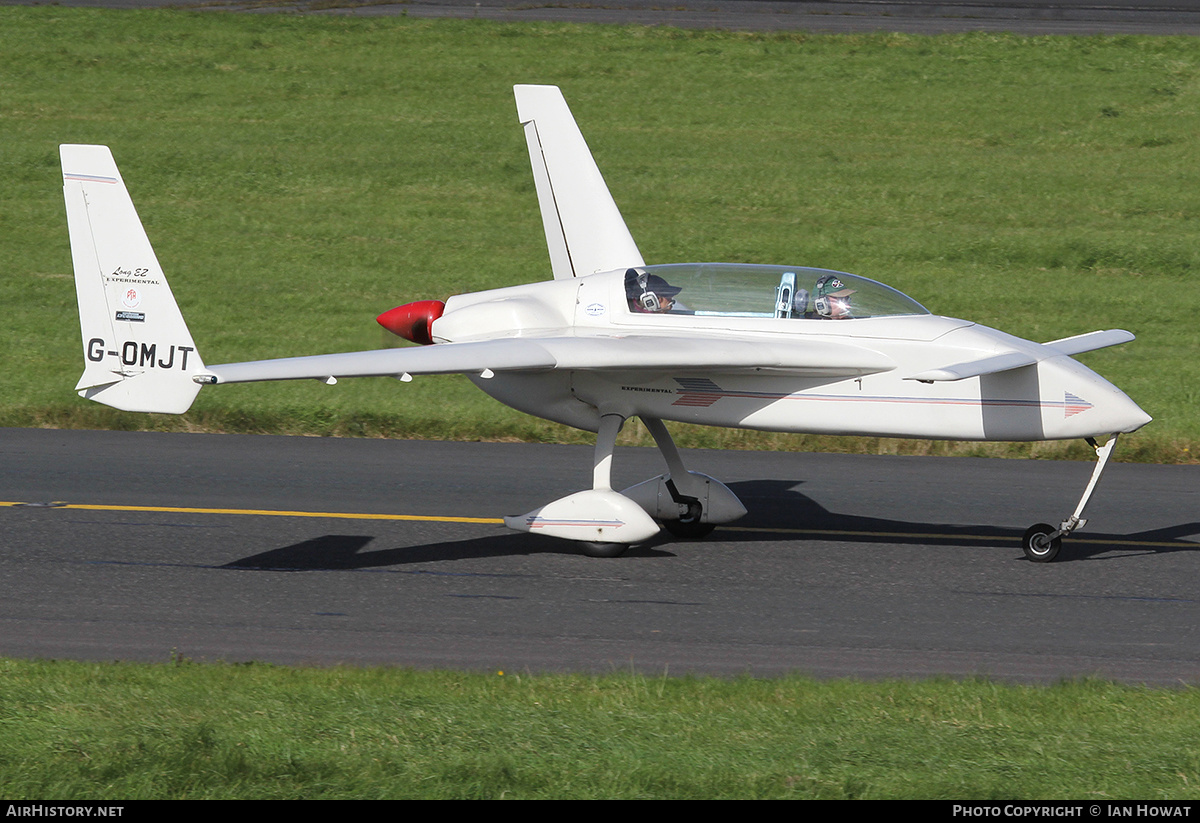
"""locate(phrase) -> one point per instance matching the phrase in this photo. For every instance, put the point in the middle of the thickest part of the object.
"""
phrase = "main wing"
(598, 353)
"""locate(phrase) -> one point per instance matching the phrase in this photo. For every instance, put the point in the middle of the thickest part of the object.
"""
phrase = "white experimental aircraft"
(778, 348)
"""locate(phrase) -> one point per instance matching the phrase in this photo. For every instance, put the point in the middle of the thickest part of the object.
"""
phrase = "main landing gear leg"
(685, 488)
(606, 443)
(688, 504)
(1042, 542)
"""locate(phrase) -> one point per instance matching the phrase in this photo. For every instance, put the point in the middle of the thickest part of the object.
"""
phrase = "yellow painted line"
(265, 513)
(1075, 538)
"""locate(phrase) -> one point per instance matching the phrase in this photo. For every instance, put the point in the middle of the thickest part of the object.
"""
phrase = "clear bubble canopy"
(732, 289)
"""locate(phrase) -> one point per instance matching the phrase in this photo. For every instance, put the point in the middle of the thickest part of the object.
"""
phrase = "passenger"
(649, 293)
(832, 298)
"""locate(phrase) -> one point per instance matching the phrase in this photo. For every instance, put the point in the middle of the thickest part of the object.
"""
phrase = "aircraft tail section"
(584, 228)
(138, 352)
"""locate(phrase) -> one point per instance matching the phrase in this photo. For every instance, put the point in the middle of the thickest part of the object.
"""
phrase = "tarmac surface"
(296, 550)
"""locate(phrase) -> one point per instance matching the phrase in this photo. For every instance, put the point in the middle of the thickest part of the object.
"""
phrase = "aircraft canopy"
(731, 289)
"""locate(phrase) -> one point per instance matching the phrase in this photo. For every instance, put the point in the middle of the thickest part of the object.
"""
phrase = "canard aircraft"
(776, 348)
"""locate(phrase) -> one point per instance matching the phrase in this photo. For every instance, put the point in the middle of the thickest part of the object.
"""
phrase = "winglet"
(138, 352)
(584, 228)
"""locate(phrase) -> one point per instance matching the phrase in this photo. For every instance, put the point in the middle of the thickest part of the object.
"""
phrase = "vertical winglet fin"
(138, 352)
(584, 228)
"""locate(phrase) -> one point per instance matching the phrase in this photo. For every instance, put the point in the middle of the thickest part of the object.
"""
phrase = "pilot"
(648, 293)
(831, 298)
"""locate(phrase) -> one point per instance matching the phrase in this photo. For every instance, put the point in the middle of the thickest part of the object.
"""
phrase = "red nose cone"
(412, 321)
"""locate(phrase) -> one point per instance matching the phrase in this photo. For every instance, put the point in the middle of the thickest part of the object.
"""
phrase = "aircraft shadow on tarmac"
(779, 512)
(777, 504)
(344, 552)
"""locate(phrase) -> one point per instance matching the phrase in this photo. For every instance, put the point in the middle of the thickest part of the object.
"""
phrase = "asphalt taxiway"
(121, 545)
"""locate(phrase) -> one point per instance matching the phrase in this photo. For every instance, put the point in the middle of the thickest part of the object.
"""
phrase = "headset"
(639, 280)
(647, 299)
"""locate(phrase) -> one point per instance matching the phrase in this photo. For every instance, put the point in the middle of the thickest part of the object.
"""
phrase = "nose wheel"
(1039, 543)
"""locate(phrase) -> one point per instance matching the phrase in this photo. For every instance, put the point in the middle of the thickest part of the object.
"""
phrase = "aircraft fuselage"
(1053, 398)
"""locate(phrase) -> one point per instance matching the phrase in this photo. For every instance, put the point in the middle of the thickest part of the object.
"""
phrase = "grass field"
(298, 175)
(83, 731)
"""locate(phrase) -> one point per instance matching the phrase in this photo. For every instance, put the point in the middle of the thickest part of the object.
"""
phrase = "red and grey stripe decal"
(700, 392)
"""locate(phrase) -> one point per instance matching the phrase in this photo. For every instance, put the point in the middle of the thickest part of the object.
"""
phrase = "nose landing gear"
(1041, 541)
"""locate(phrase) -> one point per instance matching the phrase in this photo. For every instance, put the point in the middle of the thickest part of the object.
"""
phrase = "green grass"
(300, 174)
(75, 731)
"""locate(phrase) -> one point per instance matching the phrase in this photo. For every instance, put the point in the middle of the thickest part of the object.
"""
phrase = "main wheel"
(604, 549)
(1037, 543)
(691, 526)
